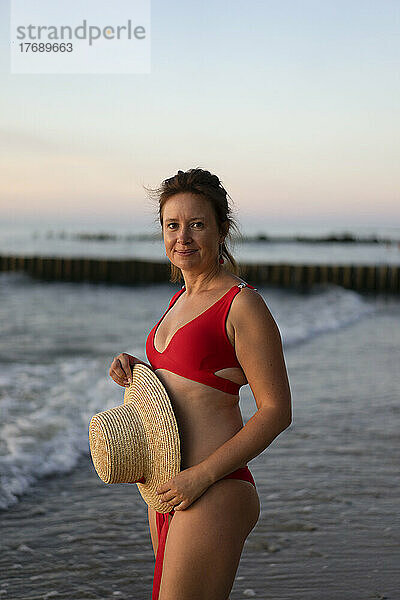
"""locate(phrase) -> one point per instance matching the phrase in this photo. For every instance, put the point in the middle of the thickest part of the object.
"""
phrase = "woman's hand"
(120, 370)
(183, 489)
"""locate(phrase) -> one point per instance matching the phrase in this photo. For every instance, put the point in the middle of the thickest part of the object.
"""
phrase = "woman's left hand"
(183, 489)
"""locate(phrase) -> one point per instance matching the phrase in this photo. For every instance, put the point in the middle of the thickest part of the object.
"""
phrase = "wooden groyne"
(375, 278)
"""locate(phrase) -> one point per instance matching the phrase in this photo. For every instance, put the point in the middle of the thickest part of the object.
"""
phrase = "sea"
(328, 485)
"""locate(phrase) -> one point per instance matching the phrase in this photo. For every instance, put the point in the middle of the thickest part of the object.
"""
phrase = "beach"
(262, 137)
(328, 526)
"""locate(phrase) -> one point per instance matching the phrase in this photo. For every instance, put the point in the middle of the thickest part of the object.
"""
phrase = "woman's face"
(189, 223)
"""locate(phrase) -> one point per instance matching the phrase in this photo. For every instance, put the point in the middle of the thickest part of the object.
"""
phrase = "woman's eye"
(172, 225)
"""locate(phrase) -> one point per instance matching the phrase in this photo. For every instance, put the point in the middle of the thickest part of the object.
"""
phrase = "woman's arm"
(258, 347)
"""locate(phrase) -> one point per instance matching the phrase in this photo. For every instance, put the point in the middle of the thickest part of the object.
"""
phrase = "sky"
(293, 104)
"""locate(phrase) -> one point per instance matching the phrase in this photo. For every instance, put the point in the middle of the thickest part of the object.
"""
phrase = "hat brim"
(162, 459)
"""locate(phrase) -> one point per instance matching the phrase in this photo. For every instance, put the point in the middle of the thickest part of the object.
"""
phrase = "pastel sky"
(293, 104)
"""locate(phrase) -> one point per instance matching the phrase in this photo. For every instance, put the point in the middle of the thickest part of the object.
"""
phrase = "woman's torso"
(193, 344)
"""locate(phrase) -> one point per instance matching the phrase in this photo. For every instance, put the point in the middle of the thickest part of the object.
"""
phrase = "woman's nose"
(184, 235)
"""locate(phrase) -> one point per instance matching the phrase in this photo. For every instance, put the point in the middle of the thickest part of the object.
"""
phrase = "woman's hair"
(201, 182)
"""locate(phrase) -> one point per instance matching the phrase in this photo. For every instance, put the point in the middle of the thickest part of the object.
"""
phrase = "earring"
(221, 258)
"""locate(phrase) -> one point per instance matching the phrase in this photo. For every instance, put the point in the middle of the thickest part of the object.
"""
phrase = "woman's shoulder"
(247, 288)
(227, 282)
(250, 309)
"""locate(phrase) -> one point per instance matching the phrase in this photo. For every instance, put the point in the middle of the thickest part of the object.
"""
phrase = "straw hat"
(138, 442)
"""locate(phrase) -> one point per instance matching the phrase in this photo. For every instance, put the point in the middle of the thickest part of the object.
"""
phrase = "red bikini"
(201, 346)
(195, 351)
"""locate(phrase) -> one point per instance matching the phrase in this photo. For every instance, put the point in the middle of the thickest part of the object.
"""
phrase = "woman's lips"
(185, 252)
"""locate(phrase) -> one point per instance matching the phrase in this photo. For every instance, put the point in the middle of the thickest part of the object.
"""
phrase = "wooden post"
(378, 278)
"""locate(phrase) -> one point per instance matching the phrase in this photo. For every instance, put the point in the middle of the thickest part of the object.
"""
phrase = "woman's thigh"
(153, 528)
(204, 542)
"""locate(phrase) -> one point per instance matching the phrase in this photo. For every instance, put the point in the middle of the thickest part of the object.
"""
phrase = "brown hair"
(201, 182)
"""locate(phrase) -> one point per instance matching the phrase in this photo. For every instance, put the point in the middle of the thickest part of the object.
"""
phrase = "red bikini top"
(201, 346)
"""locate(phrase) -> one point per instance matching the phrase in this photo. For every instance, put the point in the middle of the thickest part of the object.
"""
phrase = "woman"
(216, 335)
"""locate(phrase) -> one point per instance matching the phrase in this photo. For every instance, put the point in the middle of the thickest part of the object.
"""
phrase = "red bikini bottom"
(162, 529)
